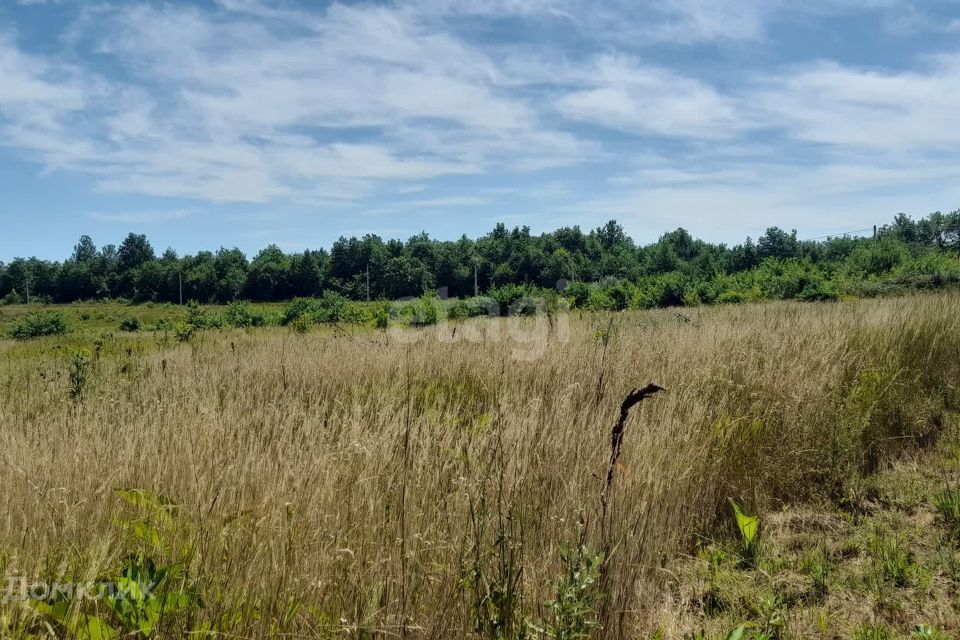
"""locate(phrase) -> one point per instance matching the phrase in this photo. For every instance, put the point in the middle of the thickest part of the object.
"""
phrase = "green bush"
(876, 258)
(201, 318)
(41, 323)
(666, 290)
(599, 300)
(381, 316)
(425, 311)
(470, 308)
(130, 324)
(301, 324)
(330, 307)
(817, 291)
(241, 314)
(506, 295)
(578, 293)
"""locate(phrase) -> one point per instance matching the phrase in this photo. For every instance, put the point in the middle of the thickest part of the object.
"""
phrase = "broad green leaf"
(748, 525)
(149, 502)
(93, 628)
(737, 633)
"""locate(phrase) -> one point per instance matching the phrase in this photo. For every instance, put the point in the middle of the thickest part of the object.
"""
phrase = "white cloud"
(629, 96)
(144, 217)
(865, 109)
(261, 102)
(236, 109)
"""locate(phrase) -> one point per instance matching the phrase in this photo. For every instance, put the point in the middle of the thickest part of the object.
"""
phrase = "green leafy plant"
(817, 564)
(183, 331)
(130, 324)
(143, 599)
(78, 375)
(749, 528)
(926, 632)
(947, 503)
(241, 314)
(200, 318)
(894, 564)
(381, 316)
(39, 324)
(871, 632)
(574, 607)
(425, 311)
(301, 324)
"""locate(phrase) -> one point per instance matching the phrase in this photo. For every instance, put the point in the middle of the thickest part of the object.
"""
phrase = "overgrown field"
(455, 480)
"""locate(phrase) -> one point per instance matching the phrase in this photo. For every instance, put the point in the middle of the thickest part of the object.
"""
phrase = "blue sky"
(246, 122)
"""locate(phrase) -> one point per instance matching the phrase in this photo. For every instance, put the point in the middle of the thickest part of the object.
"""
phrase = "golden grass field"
(421, 483)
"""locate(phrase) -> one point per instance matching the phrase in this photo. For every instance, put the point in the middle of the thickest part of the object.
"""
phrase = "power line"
(841, 234)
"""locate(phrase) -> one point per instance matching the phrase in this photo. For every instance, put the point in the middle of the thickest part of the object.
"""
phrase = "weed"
(749, 528)
(143, 599)
(892, 562)
(301, 324)
(381, 316)
(926, 632)
(871, 632)
(425, 311)
(947, 503)
(184, 331)
(817, 564)
(574, 608)
(130, 324)
(241, 314)
(38, 324)
(79, 378)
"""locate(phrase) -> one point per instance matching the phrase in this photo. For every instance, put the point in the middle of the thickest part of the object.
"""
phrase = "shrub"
(732, 296)
(381, 316)
(302, 324)
(471, 308)
(425, 311)
(130, 324)
(79, 377)
(506, 295)
(578, 293)
(817, 291)
(330, 307)
(600, 300)
(667, 290)
(12, 298)
(620, 293)
(183, 331)
(297, 308)
(201, 318)
(242, 314)
(41, 323)
(876, 258)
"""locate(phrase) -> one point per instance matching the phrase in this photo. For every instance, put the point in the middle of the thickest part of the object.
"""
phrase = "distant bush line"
(603, 269)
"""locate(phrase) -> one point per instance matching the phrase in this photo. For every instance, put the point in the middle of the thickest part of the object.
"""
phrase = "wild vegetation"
(609, 270)
(484, 477)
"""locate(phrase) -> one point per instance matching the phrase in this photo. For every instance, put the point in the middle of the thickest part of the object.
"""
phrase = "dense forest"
(604, 267)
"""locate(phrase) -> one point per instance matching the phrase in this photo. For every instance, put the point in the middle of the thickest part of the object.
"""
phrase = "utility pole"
(476, 288)
(180, 282)
(368, 282)
(27, 278)
(874, 232)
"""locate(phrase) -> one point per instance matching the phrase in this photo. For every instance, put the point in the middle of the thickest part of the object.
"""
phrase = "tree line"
(677, 269)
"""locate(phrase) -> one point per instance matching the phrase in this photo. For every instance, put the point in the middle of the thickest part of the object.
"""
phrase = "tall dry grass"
(353, 483)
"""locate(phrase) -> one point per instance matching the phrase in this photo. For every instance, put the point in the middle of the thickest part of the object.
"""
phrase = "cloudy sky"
(247, 122)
